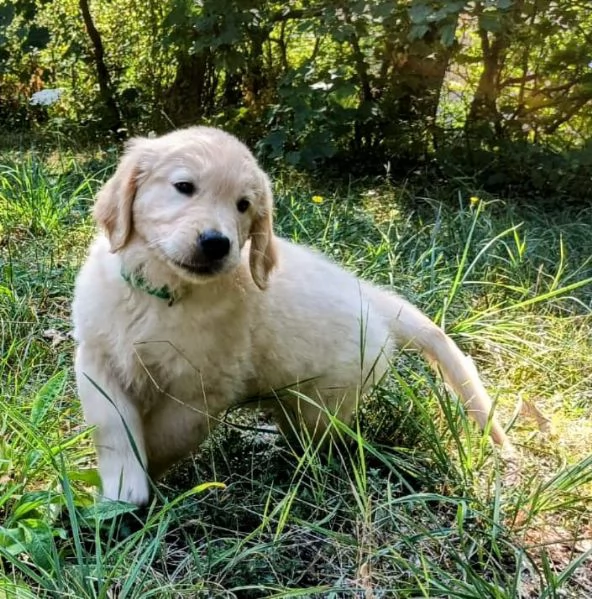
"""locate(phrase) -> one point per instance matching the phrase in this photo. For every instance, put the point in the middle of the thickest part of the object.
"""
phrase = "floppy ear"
(113, 207)
(263, 255)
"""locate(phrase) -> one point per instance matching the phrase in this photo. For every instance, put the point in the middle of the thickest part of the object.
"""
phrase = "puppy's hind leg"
(317, 416)
(173, 430)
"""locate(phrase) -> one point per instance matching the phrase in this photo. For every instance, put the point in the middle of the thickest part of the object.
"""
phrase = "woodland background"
(496, 90)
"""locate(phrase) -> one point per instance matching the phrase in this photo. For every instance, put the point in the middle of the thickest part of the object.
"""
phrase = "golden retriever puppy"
(188, 304)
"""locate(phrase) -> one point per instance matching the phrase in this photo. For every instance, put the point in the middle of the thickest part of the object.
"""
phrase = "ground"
(419, 505)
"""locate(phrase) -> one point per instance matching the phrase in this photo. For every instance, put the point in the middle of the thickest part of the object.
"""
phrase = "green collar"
(137, 281)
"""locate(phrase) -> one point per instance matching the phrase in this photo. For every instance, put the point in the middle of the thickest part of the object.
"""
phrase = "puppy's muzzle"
(209, 254)
(212, 246)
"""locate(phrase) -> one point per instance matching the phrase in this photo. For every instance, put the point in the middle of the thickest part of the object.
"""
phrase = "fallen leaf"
(56, 337)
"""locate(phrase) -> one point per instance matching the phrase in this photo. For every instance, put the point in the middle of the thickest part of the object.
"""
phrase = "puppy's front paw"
(128, 487)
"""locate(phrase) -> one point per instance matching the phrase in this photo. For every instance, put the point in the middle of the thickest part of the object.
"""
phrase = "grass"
(418, 506)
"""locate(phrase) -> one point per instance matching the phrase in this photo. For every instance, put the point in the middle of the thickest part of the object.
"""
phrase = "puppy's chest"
(189, 351)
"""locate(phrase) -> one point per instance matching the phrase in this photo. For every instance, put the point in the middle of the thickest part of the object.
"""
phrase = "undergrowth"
(418, 505)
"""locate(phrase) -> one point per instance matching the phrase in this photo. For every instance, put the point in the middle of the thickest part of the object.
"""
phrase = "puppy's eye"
(185, 187)
(243, 205)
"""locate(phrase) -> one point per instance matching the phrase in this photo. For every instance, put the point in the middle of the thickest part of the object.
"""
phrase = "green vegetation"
(494, 89)
(452, 142)
(419, 507)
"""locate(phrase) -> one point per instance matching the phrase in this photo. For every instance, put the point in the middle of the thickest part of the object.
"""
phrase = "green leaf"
(6, 15)
(47, 396)
(447, 34)
(39, 546)
(418, 31)
(381, 10)
(107, 510)
(490, 22)
(31, 502)
(11, 540)
(419, 13)
(12, 590)
(89, 476)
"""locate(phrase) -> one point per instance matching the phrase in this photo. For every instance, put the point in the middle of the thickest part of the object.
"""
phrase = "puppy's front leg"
(119, 436)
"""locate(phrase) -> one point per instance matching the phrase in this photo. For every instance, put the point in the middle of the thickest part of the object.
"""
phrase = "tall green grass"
(417, 505)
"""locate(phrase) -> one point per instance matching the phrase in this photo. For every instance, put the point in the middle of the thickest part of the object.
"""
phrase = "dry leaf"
(543, 422)
(56, 337)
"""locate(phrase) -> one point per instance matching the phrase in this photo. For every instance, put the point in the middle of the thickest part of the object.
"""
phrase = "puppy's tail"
(411, 328)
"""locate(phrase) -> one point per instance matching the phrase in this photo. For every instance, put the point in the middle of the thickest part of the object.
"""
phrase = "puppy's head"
(192, 198)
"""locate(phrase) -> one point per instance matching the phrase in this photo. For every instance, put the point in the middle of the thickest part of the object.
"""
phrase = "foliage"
(365, 84)
(418, 506)
(21, 66)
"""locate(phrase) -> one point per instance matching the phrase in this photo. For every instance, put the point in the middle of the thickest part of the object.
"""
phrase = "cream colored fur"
(278, 315)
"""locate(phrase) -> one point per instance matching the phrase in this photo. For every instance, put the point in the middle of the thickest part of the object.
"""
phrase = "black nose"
(214, 245)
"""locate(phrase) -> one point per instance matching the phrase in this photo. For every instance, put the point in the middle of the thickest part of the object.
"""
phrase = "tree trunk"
(257, 86)
(112, 113)
(484, 111)
(359, 60)
(412, 84)
(185, 101)
(422, 76)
